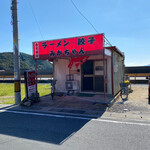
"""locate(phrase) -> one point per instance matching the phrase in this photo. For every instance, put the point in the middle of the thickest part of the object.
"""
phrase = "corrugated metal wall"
(118, 71)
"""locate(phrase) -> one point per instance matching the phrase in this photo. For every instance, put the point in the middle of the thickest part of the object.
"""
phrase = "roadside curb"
(114, 100)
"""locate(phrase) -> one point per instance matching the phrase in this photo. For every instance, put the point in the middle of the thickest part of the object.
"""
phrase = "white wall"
(61, 70)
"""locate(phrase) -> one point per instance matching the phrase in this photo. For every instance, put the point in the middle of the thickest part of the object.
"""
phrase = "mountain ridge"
(26, 62)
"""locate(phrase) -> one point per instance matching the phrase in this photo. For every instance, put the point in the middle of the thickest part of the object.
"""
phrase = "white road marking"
(44, 114)
(123, 122)
(75, 117)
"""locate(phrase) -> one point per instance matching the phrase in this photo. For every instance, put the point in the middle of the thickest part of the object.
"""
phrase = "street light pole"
(16, 54)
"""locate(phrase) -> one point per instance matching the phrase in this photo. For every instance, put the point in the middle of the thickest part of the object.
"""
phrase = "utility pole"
(16, 54)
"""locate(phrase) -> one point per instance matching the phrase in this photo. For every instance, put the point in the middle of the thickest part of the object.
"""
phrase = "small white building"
(89, 77)
(87, 64)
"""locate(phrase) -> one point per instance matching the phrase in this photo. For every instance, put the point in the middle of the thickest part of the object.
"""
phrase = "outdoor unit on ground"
(71, 85)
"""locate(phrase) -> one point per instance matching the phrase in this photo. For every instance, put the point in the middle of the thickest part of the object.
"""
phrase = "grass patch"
(44, 89)
(7, 92)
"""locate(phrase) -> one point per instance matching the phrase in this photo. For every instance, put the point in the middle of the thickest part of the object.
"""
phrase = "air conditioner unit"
(71, 85)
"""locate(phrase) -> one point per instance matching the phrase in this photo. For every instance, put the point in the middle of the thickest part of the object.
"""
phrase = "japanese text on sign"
(78, 46)
(31, 84)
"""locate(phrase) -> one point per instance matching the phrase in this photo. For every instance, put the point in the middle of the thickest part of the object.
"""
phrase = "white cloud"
(136, 64)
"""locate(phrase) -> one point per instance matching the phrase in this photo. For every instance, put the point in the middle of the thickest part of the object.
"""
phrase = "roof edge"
(114, 48)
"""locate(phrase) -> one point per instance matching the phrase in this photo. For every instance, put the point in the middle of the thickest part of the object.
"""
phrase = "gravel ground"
(137, 100)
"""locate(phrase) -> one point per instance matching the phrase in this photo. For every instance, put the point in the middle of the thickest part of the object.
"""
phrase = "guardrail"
(4, 77)
(44, 76)
(138, 75)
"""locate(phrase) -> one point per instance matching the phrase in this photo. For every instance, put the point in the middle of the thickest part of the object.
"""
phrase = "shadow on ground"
(51, 129)
(40, 128)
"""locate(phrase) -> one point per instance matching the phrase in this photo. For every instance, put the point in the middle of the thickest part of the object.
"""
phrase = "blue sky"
(125, 23)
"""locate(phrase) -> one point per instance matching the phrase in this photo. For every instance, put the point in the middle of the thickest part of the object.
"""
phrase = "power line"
(35, 19)
(83, 16)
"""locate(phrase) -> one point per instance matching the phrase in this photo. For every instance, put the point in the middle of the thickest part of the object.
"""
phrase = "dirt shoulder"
(135, 107)
(137, 100)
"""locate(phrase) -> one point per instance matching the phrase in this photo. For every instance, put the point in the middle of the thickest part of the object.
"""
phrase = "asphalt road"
(37, 132)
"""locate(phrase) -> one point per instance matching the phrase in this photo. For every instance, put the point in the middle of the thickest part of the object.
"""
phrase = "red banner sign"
(31, 85)
(70, 47)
